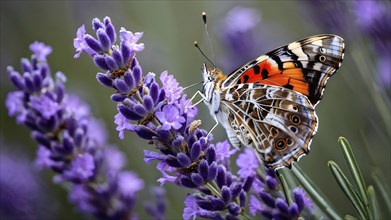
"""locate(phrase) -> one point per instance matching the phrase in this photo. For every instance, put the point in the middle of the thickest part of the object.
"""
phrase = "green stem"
(316, 195)
(213, 189)
(282, 175)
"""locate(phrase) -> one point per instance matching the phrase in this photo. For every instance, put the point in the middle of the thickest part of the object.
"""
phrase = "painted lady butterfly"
(269, 102)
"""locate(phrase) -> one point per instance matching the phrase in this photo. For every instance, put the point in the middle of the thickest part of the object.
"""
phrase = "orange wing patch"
(267, 72)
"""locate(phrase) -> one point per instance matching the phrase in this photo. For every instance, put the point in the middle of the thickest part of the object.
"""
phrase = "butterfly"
(269, 103)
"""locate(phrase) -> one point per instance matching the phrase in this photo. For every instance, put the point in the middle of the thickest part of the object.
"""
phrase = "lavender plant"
(185, 153)
(70, 141)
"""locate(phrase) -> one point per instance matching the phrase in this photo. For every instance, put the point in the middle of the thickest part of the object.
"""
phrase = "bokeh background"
(356, 104)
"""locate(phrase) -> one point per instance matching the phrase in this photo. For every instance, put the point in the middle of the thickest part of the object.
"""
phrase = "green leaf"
(349, 217)
(348, 189)
(354, 170)
(373, 204)
(382, 186)
(314, 192)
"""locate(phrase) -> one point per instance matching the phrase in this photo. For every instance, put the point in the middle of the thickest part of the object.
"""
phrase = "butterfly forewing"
(303, 66)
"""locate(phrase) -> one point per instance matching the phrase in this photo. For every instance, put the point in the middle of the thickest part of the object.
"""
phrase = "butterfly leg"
(214, 126)
(193, 97)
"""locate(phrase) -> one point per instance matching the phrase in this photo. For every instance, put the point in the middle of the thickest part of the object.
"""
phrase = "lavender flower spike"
(70, 141)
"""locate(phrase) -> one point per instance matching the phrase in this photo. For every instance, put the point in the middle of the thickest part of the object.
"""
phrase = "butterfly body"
(268, 103)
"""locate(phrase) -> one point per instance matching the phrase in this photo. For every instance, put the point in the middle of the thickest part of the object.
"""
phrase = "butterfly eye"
(322, 50)
(280, 144)
(295, 119)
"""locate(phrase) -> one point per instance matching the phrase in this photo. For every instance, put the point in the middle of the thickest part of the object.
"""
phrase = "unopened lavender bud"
(93, 43)
(97, 24)
(104, 39)
(129, 114)
(111, 63)
(99, 61)
(221, 176)
(117, 56)
(172, 161)
(195, 151)
(212, 172)
(197, 179)
(187, 182)
(282, 206)
(233, 209)
(242, 198)
(225, 194)
(140, 110)
(126, 52)
(144, 132)
(267, 199)
(148, 103)
(110, 30)
(104, 80)
(235, 189)
(210, 155)
(118, 97)
(129, 79)
(183, 159)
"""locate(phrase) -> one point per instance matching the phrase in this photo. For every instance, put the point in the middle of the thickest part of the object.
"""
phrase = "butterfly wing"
(278, 122)
(303, 66)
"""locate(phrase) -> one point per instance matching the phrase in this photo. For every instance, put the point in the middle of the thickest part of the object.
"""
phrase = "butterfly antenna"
(207, 35)
(199, 49)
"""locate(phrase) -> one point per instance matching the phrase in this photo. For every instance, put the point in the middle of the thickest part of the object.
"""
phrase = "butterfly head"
(212, 79)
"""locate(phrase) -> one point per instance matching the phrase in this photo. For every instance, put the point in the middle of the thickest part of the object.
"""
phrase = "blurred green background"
(355, 105)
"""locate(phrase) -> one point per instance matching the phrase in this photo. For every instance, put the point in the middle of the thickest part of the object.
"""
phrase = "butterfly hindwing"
(303, 66)
(279, 123)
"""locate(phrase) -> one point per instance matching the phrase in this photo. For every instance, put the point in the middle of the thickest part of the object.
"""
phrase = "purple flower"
(223, 151)
(241, 19)
(76, 107)
(131, 39)
(164, 168)
(184, 107)
(150, 156)
(43, 159)
(44, 105)
(114, 161)
(247, 163)
(170, 117)
(255, 205)
(171, 86)
(82, 168)
(40, 50)
(368, 12)
(80, 44)
(80, 196)
(14, 104)
(192, 210)
(238, 30)
(384, 69)
(122, 125)
(303, 200)
(129, 184)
